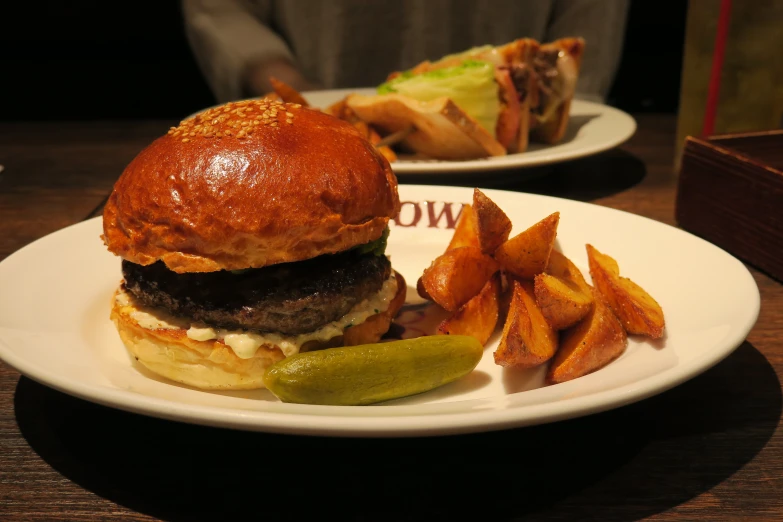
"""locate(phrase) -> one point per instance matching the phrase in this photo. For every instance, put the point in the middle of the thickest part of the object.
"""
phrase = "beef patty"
(288, 298)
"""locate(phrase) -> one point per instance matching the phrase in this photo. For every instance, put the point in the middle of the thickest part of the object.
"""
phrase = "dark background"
(115, 60)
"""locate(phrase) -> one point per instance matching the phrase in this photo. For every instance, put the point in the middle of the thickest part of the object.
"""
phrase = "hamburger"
(248, 233)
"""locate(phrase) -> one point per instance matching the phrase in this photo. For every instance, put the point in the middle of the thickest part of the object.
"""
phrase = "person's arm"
(235, 50)
(602, 24)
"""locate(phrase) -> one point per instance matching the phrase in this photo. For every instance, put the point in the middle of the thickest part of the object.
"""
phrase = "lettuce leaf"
(377, 247)
(471, 86)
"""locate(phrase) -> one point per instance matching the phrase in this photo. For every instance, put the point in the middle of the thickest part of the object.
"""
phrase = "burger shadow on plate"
(623, 464)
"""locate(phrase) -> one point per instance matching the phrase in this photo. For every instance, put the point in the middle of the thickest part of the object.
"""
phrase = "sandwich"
(555, 70)
(248, 233)
(482, 102)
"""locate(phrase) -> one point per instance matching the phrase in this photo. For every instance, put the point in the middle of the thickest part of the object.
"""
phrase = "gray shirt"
(357, 43)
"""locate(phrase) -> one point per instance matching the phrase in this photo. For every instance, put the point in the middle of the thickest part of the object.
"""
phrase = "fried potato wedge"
(466, 231)
(493, 224)
(561, 304)
(478, 317)
(638, 312)
(340, 109)
(563, 268)
(456, 276)
(373, 137)
(594, 342)
(422, 291)
(527, 254)
(562, 293)
(527, 339)
(287, 93)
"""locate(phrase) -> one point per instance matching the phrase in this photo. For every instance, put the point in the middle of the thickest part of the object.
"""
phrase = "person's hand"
(256, 78)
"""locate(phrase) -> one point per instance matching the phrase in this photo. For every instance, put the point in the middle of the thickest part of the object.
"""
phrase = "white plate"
(592, 128)
(54, 327)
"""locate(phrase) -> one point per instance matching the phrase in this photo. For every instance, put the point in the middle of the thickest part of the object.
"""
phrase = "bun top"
(250, 184)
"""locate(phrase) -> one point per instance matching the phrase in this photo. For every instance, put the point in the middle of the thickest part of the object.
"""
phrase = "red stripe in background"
(713, 89)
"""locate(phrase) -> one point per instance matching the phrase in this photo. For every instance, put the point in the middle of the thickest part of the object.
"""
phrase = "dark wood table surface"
(711, 448)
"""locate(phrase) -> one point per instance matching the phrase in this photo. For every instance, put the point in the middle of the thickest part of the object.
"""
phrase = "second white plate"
(592, 128)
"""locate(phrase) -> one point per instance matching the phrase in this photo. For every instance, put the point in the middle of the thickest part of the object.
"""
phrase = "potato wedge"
(594, 342)
(527, 253)
(287, 93)
(456, 276)
(634, 307)
(527, 338)
(562, 268)
(493, 225)
(561, 303)
(340, 109)
(422, 291)
(466, 231)
(478, 317)
(562, 293)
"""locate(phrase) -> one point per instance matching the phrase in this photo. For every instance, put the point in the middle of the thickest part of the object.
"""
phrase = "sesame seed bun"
(250, 184)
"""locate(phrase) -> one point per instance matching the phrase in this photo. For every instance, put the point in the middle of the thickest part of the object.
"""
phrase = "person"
(314, 44)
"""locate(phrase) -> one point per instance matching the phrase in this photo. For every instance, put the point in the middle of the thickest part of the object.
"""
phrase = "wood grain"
(709, 449)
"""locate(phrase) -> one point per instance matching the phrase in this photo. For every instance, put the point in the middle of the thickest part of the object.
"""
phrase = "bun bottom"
(211, 365)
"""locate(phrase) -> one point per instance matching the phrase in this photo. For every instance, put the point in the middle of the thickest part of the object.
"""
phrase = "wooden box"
(731, 193)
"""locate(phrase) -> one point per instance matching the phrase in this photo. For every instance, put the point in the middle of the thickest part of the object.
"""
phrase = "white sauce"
(245, 343)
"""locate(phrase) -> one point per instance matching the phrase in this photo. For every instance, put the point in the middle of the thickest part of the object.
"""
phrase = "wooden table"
(711, 448)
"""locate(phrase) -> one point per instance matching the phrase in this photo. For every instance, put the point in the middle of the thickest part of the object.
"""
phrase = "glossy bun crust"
(250, 184)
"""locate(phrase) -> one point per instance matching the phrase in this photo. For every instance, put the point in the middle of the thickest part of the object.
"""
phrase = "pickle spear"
(370, 373)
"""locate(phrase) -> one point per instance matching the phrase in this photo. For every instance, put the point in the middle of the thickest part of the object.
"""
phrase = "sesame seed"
(185, 140)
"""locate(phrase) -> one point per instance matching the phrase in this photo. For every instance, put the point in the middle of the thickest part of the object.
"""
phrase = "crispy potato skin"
(456, 276)
(287, 93)
(560, 304)
(594, 342)
(466, 231)
(548, 311)
(527, 254)
(527, 338)
(562, 268)
(478, 317)
(638, 312)
(562, 293)
(492, 223)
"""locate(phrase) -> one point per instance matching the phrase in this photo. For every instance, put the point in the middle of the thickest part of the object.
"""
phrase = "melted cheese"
(245, 343)
(564, 87)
